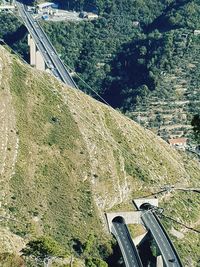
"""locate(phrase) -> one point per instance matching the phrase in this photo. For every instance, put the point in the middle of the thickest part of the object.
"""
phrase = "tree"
(143, 50)
(43, 249)
(196, 127)
(95, 262)
(89, 245)
(154, 249)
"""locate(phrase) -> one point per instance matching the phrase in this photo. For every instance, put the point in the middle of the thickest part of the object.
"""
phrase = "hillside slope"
(65, 159)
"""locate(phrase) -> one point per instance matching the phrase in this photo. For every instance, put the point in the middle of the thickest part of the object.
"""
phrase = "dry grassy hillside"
(65, 159)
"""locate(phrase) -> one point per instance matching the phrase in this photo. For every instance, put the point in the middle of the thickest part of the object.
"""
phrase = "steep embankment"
(66, 158)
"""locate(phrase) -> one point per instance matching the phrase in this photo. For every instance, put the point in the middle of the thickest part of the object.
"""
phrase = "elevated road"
(128, 249)
(170, 257)
(46, 48)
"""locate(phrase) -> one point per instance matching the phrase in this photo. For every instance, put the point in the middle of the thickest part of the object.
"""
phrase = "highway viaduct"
(42, 53)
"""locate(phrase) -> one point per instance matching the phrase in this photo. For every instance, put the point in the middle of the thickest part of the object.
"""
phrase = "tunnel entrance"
(146, 206)
(118, 219)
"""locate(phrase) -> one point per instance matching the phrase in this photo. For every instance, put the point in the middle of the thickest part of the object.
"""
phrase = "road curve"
(170, 257)
(128, 249)
(46, 48)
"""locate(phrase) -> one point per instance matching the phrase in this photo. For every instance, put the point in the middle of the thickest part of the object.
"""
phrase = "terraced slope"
(169, 110)
(66, 159)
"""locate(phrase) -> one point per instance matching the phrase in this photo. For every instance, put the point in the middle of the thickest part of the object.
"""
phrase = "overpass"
(169, 254)
(127, 247)
(42, 51)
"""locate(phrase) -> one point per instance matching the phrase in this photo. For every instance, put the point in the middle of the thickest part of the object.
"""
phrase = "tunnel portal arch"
(119, 219)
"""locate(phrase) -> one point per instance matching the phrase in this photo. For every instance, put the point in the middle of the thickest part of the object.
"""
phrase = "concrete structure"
(40, 64)
(136, 23)
(91, 16)
(129, 217)
(32, 46)
(138, 239)
(46, 6)
(138, 202)
(159, 261)
(36, 58)
(7, 7)
(196, 32)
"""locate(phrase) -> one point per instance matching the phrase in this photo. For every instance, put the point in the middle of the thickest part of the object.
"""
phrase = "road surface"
(165, 246)
(128, 249)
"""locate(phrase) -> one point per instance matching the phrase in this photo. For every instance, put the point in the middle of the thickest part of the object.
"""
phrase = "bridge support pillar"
(32, 46)
(40, 64)
(36, 59)
(159, 261)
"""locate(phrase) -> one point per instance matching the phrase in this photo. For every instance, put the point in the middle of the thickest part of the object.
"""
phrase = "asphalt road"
(128, 249)
(49, 53)
(169, 254)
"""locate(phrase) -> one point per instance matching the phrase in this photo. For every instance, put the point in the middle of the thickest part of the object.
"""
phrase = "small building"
(31, 9)
(7, 7)
(46, 6)
(179, 143)
(136, 24)
(88, 15)
(196, 32)
(92, 16)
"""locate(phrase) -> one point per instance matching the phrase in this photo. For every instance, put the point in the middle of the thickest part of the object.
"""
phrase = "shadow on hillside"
(115, 259)
(17, 36)
(130, 76)
(18, 42)
(162, 22)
